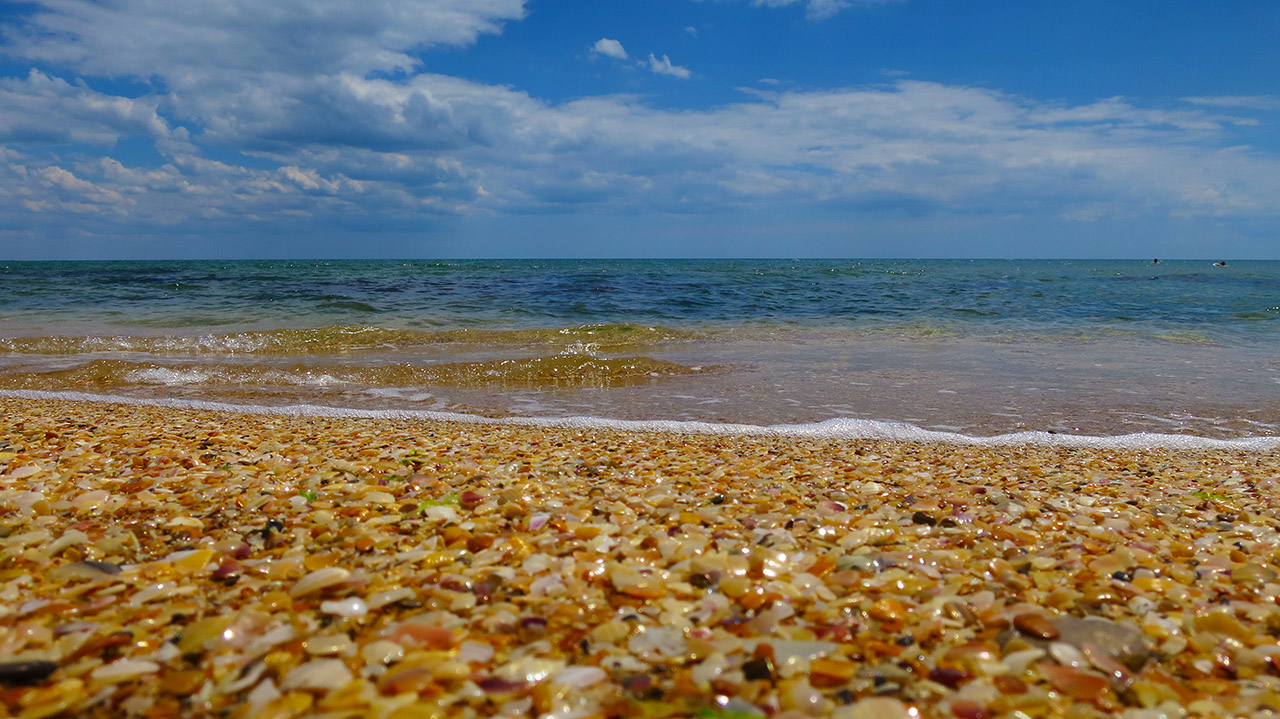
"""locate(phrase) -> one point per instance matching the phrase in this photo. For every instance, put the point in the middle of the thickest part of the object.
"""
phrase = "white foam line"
(839, 428)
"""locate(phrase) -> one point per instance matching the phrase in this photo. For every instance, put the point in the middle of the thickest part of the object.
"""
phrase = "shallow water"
(973, 347)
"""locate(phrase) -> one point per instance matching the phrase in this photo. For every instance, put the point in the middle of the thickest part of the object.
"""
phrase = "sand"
(161, 562)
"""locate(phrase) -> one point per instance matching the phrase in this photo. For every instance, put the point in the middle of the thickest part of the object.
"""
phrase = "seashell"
(631, 581)
(658, 643)
(70, 538)
(1075, 683)
(1067, 655)
(87, 569)
(579, 677)
(879, 708)
(1035, 625)
(330, 644)
(347, 607)
(124, 669)
(25, 471)
(471, 651)
(317, 674)
(319, 580)
(378, 600)
(382, 651)
(424, 635)
(529, 670)
(199, 636)
(89, 501)
(888, 609)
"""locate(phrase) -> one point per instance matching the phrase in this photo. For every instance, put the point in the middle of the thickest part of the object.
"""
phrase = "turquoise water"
(975, 346)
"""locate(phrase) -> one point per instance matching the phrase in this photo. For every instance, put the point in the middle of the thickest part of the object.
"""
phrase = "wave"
(564, 370)
(833, 429)
(349, 338)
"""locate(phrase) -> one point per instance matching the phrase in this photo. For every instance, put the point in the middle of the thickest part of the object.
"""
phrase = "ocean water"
(973, 348)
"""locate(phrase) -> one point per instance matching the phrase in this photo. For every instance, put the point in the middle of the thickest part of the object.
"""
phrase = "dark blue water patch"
(968, 296)
(347, 305)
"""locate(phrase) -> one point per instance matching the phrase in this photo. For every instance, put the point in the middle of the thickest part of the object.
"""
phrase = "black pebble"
(701, 581)
(923, 518)
(758, 668)
(26, 672)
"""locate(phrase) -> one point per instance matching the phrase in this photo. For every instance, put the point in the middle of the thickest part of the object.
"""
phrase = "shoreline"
(275, 565)
(836, 429)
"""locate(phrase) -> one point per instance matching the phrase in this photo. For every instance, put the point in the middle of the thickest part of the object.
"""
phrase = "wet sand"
(165, 562)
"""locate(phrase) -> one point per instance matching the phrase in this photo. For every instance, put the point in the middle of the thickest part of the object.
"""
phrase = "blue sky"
(503, 128)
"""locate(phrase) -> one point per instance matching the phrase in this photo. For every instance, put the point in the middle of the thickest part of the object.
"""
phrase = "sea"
(1067, 351)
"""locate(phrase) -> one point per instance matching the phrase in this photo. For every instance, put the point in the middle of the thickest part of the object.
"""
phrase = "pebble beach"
(161, 562)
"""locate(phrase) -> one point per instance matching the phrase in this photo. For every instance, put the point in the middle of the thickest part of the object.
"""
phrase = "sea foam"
(831, 429)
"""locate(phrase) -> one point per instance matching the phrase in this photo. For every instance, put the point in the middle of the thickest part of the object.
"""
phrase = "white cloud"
(913, 146)
(325, 140)
(1244, 102)
(664, 67)
(610, 48)
(238, 64)
(44, 109)
(182, 41)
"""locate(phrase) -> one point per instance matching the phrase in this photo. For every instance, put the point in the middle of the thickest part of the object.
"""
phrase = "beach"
(178, 562)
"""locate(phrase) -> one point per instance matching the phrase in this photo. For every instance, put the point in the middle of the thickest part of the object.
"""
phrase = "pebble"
(405, 568)
(319, 580)
(348, 607)
(317, 674)
(26, 672)
(1125, 644)
(123, 669)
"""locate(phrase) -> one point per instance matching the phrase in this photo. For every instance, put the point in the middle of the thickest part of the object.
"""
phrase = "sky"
(639, 128)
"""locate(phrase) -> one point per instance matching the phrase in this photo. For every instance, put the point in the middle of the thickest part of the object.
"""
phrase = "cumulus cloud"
(664, 67)
(338, 135)
(610, 48)
(238, 65)
(175, 39)
(44, 109)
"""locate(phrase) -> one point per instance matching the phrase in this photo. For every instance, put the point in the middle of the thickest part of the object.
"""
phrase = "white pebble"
(472, 651)
(331, 644)
(578, 677)
(318, 674)
(319, 579)
(265, 692)
(384, 651)
(349, 607)
(377, 600)
(1067, 655)
(658, 643)
(123, 669)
